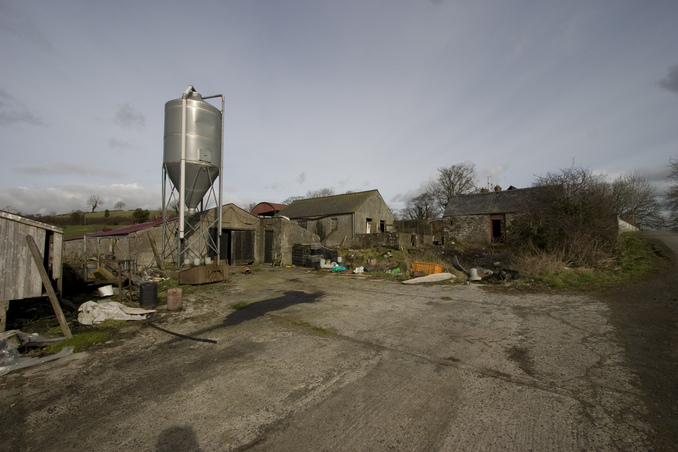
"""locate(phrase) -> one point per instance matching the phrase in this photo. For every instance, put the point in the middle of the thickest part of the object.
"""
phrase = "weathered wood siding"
(19, 277)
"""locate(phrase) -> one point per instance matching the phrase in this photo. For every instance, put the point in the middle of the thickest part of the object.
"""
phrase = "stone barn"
(483, 217)
(338, 220)
(246, 238)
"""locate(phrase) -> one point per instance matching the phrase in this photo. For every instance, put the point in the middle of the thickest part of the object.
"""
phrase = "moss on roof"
(509, 201)
(328, 205)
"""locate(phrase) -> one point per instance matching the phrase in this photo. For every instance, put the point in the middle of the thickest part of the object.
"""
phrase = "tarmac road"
(324, 362)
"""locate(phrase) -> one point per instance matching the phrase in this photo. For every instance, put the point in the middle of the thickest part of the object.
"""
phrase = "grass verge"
(82, 341)
(636, 260)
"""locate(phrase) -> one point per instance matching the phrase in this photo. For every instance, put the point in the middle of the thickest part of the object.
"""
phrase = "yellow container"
(426, 268)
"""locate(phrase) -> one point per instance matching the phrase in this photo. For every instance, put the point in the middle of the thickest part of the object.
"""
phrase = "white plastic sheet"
(91, 313)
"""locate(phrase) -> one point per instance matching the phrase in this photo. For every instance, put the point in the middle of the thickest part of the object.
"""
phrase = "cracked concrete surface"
(342, 363)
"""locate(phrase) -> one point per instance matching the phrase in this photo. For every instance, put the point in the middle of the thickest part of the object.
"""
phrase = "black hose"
(211, 341)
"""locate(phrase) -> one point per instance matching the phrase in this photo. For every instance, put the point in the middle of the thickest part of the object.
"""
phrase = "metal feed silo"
(202, 146)
(192, 161)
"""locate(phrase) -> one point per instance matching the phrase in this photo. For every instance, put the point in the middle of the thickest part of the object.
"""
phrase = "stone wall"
(467, 228)
(285, 234)
(393, 240)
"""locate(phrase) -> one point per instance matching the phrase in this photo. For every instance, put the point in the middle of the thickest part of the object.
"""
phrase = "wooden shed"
(19, 277)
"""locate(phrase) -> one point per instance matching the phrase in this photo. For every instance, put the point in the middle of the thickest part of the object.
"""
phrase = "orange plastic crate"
(428, 269)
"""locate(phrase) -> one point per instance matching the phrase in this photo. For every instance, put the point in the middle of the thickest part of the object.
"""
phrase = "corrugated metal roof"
(267, 208)
(508, 201)
(122, 231)
(328, 205)
(28, 221)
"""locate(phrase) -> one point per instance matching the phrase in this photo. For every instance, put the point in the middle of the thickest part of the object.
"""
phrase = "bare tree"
(671, 196)
(636, 201)
(323, 192)
(454, 180)
(174, 206)
(291, 199)
(420, 207)
(94, 201)
(119, 205)
(571, 216)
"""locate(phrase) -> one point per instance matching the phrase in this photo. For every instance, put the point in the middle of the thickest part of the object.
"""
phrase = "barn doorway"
(237, 246)
(497, 227)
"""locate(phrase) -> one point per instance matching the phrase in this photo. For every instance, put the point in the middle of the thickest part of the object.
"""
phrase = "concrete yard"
(323, 362)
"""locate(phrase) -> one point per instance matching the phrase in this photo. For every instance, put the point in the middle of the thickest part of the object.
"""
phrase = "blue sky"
(349, 95)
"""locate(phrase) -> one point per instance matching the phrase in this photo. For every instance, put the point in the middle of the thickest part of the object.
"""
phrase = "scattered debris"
(35, 338)
(105, 291)
(204, 274)
(473, 275)
(430, 278)
(10, 358)
(457, 265)
(103, 274)
(480, 274)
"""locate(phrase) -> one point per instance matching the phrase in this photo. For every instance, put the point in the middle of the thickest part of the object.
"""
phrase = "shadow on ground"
(260, 308)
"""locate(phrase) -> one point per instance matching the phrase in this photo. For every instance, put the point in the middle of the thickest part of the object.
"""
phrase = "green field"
(115, 213)
(75, 230)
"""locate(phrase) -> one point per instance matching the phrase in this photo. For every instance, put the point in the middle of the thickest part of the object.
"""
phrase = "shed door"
(243, 247)
(237, 247)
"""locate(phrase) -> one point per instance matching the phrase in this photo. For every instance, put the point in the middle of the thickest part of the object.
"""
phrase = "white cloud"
(66, 198)
(69, 170)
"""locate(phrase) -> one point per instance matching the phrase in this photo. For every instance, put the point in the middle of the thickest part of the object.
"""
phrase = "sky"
(350, 95)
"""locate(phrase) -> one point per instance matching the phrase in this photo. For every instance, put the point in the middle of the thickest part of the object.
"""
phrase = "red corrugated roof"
(123, 231)
(270, 208)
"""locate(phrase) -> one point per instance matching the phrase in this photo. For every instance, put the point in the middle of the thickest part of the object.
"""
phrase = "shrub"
(141, 216)
(571, 217)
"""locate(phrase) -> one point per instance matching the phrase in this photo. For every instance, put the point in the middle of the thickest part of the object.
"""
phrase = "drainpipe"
(182, 163)
(221, 180)
(221, 175)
